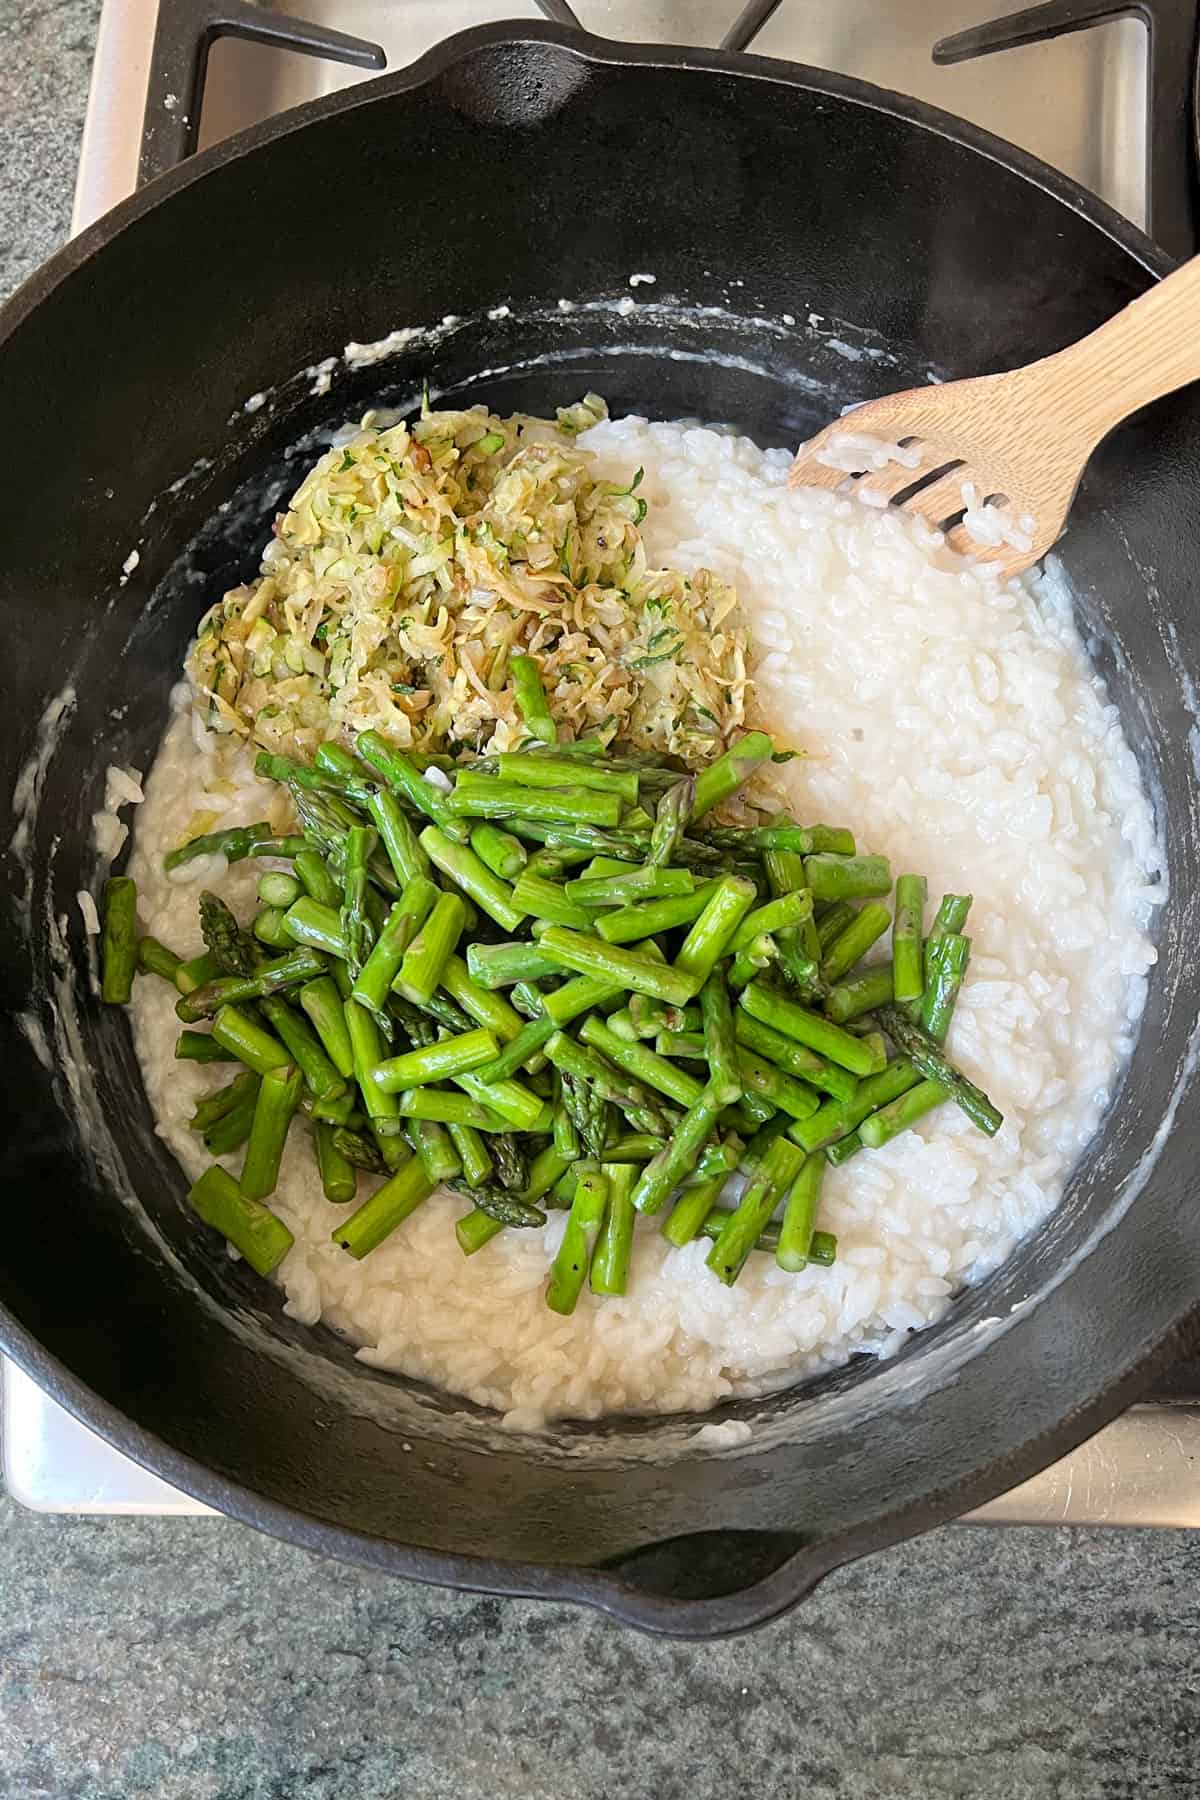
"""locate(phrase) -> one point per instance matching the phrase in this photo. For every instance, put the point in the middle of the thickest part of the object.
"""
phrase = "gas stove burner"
(1172, 116)
(740, 36)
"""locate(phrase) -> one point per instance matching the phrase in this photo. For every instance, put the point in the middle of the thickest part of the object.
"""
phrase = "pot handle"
(184, 35)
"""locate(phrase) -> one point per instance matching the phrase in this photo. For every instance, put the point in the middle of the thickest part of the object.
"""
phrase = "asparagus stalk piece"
(567, 772)
(832, 922)
(240, 1034)
(778, 1168)
(397, 836)
(464, 868)
(847, 877)
(486, 1008)
(931, 1062)
(433, 1144)
(339, 1177)
(861, 994)
(800, 1216)
(357, 931)
(633, 923)
(573, 1260)
(404, 779)
(851, 945)
(519, 1105)
(119, 940)
(788, 910)
(504, 854)
(530, 697)
(520, 1051)
(726, 775)
(795, 1059)
(503, 965)
(610, 1259)
(366, 1041)
(387, 1208)
(278, 1098)
(304, 1047)
(404, 921)
(224, 1100)
(548, 900)
(629, 886)
(315, 878)
(247, 1224)
(945, 968)
(228, 1133)
(269, 928)
(823, 1249)
(771, 1084)
(808, 1028)
(708, 940)
(234, 845)
(837, 1119)
(429, 951)
(908, 977)
(473, 1155)
(316, 927)
(686, 1218)
(154, 958)
(291, 970)
(199, 1046)
(622, 968)
(434, 1062)
(902, 1114)
(646, 1066)
(666, 1170)
(445, 1108)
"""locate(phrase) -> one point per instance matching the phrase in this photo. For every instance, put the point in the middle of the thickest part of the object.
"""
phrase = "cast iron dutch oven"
(514, 167)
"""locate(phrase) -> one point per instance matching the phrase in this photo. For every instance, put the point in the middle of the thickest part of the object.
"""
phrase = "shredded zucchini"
(415, 559)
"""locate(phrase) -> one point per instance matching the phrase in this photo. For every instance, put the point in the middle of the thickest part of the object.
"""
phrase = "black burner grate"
(1172, 122)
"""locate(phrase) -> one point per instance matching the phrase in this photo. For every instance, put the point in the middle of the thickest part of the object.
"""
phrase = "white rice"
(956, 726)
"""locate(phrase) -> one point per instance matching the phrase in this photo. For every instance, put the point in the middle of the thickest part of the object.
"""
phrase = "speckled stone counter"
(193, 1660)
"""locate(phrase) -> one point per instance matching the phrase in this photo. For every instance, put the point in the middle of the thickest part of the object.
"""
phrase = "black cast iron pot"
(514, 168)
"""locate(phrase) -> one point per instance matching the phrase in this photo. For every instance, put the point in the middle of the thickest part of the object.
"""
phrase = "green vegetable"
(279, 890)
(400, 842)
(234, 845)
(119, 940)
(907, 937)
(648, 1067)
(902, 1114)
(778, 1168)
(278, 1098)
(434, 1062)
(838, 1118)
(387, 1208)
(708, 940)
(315, 878)
(851, 945)
(487, 797)
(610, 1259)
(847, 877)
(932, 1064)
(666, 1170)
(198, 1046)
(808, 1028)
(861, 994)
(504, 854)
(725, 776)
(548, 900)
(339, 1176)
(322, 1006)
(428, 953)
(473, 1155)
(945, 967)
(304, 1047)
(573, 1261)
(246, 1223)
(633, 923)
(530, 697)
(406, 780)
(237, 1032)
(317, 927)
(671, 817)
(543, 771)
(291, 970)
(686, 1218)
(154, 958)
(622, 968)
(800, 1215)
(465, 869)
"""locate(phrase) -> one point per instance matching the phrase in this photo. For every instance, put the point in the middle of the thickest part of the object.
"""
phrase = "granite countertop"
(189, 1659)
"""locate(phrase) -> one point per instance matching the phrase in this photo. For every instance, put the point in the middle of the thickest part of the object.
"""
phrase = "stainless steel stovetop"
(1079, 102)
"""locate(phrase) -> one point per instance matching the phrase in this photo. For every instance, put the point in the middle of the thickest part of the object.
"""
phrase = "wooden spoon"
(1022, 438)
